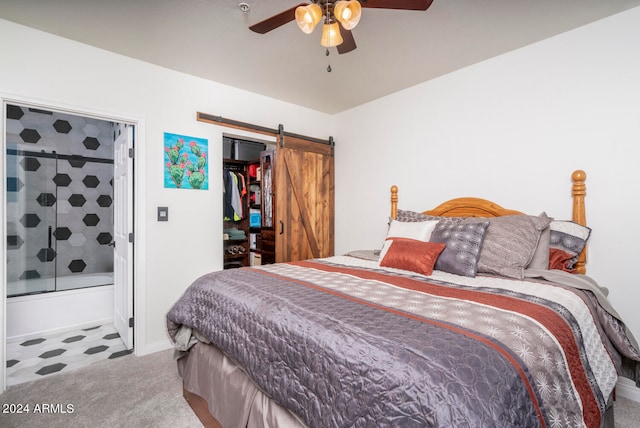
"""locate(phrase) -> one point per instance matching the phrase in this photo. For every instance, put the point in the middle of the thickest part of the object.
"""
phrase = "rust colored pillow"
(413, 255)
(559, 259)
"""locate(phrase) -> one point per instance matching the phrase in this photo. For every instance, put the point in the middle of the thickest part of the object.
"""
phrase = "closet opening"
(243, 200)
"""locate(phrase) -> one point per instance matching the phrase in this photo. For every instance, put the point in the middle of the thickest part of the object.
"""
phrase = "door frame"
(138, 203)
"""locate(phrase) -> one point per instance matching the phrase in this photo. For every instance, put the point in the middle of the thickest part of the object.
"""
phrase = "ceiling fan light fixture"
(348, 13)
(331, 35)
(307, 17)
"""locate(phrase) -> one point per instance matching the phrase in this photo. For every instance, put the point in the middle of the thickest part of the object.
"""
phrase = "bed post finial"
(394, 201)
(578, 191)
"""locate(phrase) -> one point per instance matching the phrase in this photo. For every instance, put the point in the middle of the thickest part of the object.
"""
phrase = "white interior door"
(123, 227)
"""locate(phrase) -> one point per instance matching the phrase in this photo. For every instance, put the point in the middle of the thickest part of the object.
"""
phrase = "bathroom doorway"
(62, 203)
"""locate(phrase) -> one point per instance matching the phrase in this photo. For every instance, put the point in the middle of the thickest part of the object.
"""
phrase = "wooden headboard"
(478, 207)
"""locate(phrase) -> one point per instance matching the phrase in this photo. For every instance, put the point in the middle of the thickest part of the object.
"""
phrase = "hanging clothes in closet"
(235, 188)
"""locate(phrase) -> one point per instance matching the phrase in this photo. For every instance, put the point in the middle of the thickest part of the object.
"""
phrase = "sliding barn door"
(304, 200)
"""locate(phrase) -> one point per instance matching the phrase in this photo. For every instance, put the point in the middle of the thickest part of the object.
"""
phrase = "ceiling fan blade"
(348, 43)
(397, 4)
(276, 21)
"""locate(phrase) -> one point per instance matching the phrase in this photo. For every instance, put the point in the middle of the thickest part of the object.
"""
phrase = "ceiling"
(396, 49)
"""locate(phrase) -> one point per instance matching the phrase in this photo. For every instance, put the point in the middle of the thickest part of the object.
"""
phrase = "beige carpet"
(137, 392)
(128, 391)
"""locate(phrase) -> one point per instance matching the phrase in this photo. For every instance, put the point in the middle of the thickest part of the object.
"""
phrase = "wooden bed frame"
(201, 409)
(459, 207)
(478, 207)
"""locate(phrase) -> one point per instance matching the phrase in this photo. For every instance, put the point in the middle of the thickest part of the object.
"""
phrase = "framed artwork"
(185, 162)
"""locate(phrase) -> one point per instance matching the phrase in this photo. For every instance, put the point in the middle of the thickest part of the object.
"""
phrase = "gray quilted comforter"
(340, 342)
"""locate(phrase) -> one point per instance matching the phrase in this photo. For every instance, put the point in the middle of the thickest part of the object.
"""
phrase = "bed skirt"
(222, 395)
(231, 398)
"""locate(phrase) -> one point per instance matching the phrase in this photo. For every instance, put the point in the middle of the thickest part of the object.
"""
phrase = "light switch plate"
(163, 213)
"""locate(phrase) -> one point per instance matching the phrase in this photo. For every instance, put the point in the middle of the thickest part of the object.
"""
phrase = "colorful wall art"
(185, 162)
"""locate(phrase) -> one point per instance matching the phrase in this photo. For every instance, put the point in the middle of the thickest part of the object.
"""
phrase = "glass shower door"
(84, 229)
(31, 222)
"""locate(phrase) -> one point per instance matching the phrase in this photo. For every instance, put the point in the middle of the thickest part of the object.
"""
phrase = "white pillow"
(418, 230)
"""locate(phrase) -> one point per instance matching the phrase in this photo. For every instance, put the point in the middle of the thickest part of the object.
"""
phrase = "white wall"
(56, 71)
(511, 129)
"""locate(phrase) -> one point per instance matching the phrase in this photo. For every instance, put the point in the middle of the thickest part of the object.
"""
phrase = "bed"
(470, 314)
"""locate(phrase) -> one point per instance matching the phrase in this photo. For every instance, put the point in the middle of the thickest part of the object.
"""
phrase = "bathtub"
(39, 285)
(30, 316)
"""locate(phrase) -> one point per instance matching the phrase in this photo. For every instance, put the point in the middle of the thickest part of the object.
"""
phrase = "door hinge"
(131, 237)
(131, 322)
(131, 153)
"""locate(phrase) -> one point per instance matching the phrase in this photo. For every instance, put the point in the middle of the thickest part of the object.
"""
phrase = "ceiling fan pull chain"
(329, 67)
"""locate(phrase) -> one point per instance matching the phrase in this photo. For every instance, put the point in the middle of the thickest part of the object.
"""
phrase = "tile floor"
(32, 359)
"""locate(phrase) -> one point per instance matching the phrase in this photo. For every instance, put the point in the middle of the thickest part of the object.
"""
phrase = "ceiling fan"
(338, 18)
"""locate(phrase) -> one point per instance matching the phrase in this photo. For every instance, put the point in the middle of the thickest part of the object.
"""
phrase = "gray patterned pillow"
(566, 242)
(540, 259)
(463, 246)
(510, 243)
(412, 216)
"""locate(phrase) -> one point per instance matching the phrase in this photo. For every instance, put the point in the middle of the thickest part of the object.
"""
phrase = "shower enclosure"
(59, 203)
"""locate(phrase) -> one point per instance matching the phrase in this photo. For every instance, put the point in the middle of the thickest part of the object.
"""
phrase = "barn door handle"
(281, 227)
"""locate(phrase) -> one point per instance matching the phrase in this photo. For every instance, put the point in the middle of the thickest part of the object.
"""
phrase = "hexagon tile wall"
(59, 194)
